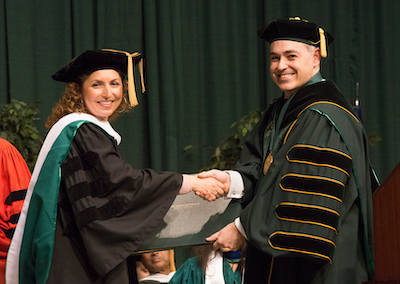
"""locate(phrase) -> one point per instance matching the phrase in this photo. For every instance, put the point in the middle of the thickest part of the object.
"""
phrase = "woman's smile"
(102, 93)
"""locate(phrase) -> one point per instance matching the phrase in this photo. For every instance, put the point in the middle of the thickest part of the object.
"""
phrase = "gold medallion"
(268, 161)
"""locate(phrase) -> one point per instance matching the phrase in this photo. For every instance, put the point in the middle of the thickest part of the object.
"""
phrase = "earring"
(83, 109)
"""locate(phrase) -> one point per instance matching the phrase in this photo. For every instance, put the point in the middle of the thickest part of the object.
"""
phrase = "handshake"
(210, 185)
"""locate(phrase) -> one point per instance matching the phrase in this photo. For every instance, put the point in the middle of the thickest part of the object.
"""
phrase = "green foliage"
(227, 153)
(16, 126)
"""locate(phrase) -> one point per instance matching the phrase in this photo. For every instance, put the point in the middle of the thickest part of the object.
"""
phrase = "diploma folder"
(189, 221)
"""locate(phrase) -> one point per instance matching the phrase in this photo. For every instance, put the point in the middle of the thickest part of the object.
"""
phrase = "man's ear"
(317, 56)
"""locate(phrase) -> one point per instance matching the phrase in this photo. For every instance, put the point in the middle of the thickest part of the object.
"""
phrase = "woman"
(86, 209)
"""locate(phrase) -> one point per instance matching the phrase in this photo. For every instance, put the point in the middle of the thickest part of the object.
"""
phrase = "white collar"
(72, 117)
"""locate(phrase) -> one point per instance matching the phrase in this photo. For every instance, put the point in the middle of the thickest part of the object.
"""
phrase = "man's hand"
(227, 239)
(222, 177)
(207, 188)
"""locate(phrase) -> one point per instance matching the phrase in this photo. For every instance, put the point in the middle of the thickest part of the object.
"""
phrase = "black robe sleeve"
(106, 207)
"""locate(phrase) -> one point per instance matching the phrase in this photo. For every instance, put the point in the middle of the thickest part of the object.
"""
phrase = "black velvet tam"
(90, 61)
(293, 29)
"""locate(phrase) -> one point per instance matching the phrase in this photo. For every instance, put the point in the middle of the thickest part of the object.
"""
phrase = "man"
(161, 266)
(304, 175)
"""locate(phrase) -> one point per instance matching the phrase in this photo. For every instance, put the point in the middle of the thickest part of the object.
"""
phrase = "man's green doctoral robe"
(311, 213)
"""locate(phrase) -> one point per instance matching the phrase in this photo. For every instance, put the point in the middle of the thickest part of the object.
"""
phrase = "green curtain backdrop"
(205, 67)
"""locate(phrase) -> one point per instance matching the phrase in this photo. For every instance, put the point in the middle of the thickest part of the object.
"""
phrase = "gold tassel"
(131, 80)
(140, 64)
(322, 44)
(172, 260)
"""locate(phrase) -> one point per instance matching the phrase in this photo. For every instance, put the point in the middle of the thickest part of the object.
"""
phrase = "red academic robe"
(14, 181)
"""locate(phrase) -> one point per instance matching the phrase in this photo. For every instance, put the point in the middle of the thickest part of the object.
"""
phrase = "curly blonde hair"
(72, 101)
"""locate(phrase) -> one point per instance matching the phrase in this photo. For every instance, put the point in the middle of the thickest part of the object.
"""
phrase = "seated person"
(211, 267)
(160, 264)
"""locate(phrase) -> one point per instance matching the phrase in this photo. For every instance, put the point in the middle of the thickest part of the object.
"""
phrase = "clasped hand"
(211, 185)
